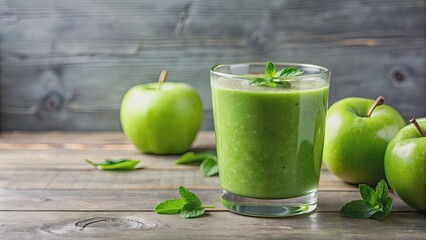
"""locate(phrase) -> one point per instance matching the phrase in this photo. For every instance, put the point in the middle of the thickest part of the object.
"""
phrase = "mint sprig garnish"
(189, 205)
(374, 203)
(207, 161)
(111, 164)
(275, 79)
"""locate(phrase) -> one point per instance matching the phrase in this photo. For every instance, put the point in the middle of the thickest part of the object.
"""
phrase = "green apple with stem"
(163, 117)
(357, 133)
(405, 164)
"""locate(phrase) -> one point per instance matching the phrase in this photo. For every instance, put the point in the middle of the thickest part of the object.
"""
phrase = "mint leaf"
(369, 196)
(289, 72)
(189, 157)
(376, 204)
(190, 211)
(270, 70)
(257, 81)
(208, 161)
(189, 205)
(283, 84)
(385, 201)
(189, 197)
(382, 190)
(171, 206)
(357, 209)
(274, 78)
(209, 167)
(386, 208)
(110, 164)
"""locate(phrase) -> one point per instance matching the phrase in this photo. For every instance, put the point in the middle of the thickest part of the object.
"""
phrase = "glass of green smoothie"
(269, 136)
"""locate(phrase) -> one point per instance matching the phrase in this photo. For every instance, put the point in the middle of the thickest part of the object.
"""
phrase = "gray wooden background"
(66, 64)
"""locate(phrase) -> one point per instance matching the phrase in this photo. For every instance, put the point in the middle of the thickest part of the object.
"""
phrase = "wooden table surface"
(48, 191)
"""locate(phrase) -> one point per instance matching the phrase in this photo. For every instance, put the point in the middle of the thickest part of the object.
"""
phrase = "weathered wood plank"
(67, 150)
(204, 139)
(145, 179)
(66, 65)
(214, 225)
(142, 200)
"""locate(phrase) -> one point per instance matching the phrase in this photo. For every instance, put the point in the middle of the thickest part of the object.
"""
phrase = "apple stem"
(162, 78)
(416, 124)
(379, 101)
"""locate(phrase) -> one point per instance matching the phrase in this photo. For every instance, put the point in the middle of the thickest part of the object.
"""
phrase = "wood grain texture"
(48, 192)
(217, 225)
(145, 200)
(66, 65)
(143, 179)
(66, 151)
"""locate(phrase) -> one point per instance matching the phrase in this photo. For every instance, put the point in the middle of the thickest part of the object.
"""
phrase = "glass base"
(270, 207)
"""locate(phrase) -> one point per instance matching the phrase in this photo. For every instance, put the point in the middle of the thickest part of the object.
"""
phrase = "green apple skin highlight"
(265, 148)
(162, 121)
(355, 144)
(405, 165)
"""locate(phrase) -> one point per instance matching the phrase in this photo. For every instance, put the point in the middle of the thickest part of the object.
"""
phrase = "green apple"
(357, 133)
(161, 118)
(405, 164)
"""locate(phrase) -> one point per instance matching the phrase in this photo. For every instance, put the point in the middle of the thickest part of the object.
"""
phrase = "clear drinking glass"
(269, 139)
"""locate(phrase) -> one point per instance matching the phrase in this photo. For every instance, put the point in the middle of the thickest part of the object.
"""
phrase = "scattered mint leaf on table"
(370, 197)
(274, 78)
(209, 167)
(110, 164)
(208, 162)
(171, 206)
(386, 209)
(382, 189)
(189, 205)
(189, 197)
(357, 209)
(191, 211)
(191, 157)
(374, 203)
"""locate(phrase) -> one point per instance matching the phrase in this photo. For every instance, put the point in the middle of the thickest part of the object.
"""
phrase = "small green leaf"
(257, 81)
(369, 195)
(270, 70)
(357, 209)
(209, 167)
(274, 78)
(259, 84)
(189, 197)
(382, 190)
(290, 72)
(191, 157)
(171, 206)
(191, 211)
(189, 205)
(120, 164)
(386, 208)
(208, 161)
(283, 84)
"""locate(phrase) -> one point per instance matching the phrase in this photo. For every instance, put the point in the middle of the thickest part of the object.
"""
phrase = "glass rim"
(326, 71)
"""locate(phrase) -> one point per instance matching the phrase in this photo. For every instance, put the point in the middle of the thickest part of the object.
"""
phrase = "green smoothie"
(269, 139)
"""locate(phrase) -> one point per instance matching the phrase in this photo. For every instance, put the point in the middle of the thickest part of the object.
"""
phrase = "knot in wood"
(112, 223)
(53, 101)
(398, 76)
(257, 39)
